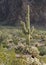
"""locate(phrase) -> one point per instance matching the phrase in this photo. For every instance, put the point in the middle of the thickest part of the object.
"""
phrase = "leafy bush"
(42, 50)
(8, 57)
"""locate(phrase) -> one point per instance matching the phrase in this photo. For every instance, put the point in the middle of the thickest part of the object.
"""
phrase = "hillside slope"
(11, 11)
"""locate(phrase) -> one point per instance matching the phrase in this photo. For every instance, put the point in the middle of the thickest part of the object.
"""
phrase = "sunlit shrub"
(8, 57)
(34, 51)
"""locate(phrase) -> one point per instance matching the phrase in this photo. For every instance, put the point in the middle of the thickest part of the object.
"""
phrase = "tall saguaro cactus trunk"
(28, 23)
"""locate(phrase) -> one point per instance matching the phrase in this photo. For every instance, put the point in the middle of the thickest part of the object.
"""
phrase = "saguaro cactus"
(26, 26)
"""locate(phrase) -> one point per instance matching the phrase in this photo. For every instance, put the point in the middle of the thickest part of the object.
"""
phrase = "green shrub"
(42, 50)
(8, 57)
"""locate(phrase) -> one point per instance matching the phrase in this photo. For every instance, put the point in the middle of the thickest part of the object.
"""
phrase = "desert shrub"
(43, 58)
(34, 51)
(36, 36)
(42, 50)
(8, 57)
(15, 40)
(33, 61)
(20, 61)
(1, 36)
(36, 62)
(4, 35)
